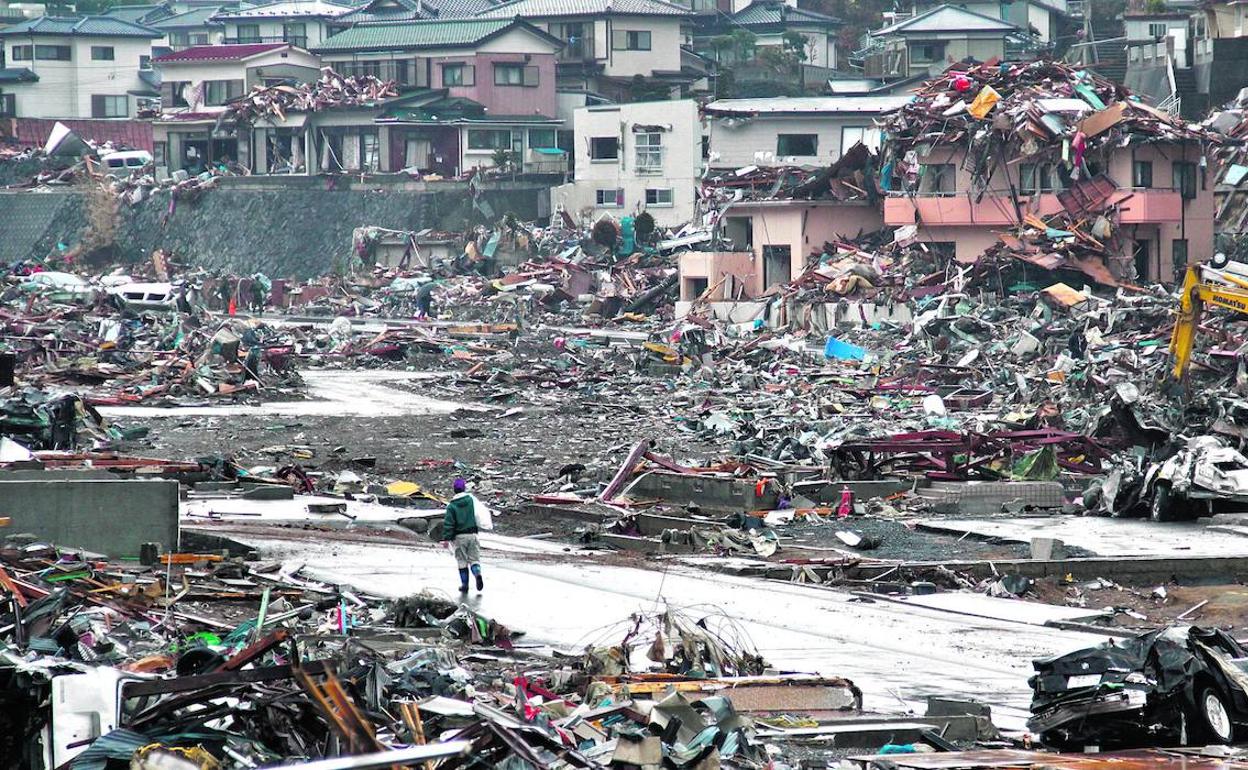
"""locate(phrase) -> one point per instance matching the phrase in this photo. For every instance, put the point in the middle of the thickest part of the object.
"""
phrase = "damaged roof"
(946, 18)
(446, 33)
(79, 26)
(527, 8)
(811, 105)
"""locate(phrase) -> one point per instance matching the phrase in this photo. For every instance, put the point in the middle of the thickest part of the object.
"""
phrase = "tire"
(1213, 716)
(1161, 506)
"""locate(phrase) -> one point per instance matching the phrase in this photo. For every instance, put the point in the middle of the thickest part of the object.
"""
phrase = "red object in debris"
(847, 503)
(233, 309)
(961, 84)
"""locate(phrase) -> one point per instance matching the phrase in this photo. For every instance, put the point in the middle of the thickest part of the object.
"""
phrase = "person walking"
(459, 528)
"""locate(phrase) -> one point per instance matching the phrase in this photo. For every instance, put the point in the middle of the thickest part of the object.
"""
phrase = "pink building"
(771, 242)
(1162, 194)
(471, 88)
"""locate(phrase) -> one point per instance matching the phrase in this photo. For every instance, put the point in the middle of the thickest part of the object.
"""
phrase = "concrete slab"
(296, 511)
(1102, 536)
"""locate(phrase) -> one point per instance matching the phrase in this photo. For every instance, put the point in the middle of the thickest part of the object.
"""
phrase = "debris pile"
(330, 90)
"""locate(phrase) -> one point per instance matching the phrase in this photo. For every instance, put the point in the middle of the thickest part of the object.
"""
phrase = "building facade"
(636, 157)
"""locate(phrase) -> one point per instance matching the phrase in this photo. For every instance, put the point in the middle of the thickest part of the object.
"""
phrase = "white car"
(159, 295)
(127, 161)
(59, 287)
(1205, 476)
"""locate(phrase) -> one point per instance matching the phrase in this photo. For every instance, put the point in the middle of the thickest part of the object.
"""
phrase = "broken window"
(1178, 258)
(739, 231)
(219, 92)
(939, 178)
(1036, 178)
(604, 148)
(1183, 178)
(852, 135)
(797, 144)
(649, 148)
(1142, 173)
(777, 264)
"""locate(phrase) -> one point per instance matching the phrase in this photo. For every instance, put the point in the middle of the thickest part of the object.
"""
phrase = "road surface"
(898, 655)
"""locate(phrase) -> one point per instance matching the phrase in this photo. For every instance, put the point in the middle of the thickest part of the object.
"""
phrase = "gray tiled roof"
(947, 18)
(92, 26)
(540, 8)
(198, 17)
(446, 33)
(763, 13)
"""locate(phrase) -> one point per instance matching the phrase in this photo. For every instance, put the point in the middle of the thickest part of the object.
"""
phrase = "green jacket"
(461, 517)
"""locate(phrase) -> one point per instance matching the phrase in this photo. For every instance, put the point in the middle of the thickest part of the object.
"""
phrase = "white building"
(198, 82)
(630, 158)
(76, 67)
(798, 131)
(305, 23)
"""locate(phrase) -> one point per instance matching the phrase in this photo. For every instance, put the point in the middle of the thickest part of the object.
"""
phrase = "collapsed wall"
(292, 228)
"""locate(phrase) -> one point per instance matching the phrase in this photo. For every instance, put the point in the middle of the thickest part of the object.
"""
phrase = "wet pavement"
(897, 654)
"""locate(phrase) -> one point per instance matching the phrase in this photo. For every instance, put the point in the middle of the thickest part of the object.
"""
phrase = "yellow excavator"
(1222, 284)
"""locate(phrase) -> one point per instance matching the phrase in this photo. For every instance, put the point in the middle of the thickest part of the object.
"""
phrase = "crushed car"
(1203, 477)
(1178, 686)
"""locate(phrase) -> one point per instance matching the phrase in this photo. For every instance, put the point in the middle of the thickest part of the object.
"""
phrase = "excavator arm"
(1196, 293)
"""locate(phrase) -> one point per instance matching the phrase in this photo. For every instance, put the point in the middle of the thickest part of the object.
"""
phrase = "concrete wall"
(753, 142)
(283, 226)
(65, 88)
(109, 517)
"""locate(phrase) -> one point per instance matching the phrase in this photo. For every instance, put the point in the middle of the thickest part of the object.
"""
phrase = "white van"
(129, 160)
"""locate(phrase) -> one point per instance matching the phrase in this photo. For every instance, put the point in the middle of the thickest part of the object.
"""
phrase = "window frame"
(104, 53)
(943, 172)
(782, 139)
(105, 101)
(632, 40)
(1142, 174)
(492, 147)
(250, 37)
(299, 39)
(62, 52)
(656, 203)
(514, 67)
(22, 53)
(593, 144)
(652, 150)
(232, 90)
(467, 74)
(617, 198)
(1183, 178)
(554, 138)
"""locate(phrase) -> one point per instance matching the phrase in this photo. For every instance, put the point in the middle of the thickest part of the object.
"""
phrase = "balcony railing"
(297, 40)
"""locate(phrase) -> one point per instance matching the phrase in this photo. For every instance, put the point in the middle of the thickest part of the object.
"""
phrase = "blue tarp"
(843, 350)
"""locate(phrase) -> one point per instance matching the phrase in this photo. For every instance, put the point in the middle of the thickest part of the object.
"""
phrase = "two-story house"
(1119, 168)
(197, 26)
(197, 84)
(615, 48)
(304, 23)
(923, 45)
(478, 88)
(769, 21)
(797, 131)
(644, 156)
(75, 67)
